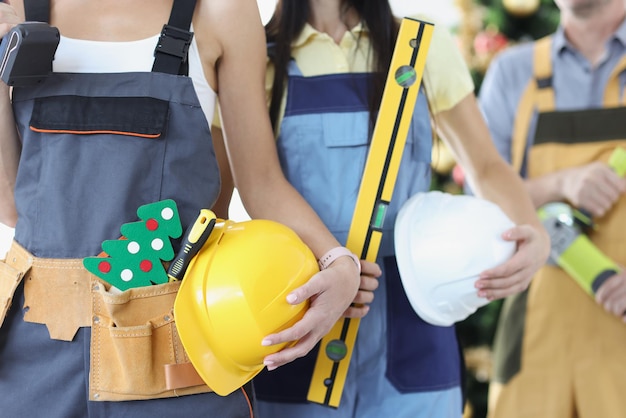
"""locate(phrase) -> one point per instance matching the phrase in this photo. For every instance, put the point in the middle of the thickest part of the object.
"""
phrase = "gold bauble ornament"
(521, 8)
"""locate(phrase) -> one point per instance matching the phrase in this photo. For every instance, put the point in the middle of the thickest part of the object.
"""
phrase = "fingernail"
(266, 342)
(268, 363)
(270, 368)
(291, 298)
(479, 285)
(482, 294)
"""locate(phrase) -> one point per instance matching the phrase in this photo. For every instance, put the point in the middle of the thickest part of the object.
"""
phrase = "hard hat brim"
(222, 380)
(224, 308)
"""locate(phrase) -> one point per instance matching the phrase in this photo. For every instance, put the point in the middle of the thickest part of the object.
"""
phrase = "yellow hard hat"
(234, 294)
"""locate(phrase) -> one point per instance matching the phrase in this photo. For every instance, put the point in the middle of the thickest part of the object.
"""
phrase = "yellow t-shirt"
(446, 76)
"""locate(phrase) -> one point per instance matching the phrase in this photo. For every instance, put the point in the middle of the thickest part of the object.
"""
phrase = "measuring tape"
(379, 178)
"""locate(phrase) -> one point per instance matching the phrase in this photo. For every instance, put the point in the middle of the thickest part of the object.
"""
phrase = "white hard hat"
(443, 242)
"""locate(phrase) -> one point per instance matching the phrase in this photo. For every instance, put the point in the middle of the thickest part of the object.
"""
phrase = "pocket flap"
(345, 129)
(134, 116)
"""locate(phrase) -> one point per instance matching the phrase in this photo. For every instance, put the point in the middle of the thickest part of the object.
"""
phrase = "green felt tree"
(135, 260)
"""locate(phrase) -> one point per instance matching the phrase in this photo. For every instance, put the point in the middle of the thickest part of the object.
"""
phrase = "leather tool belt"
(135, 349)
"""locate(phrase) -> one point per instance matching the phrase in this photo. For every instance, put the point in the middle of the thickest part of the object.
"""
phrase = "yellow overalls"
(573, 361)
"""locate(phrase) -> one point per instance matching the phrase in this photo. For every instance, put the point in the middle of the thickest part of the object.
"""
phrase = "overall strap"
(542, 68)
(538, 95)
(613, 93)
(37, 10)
(170, 54)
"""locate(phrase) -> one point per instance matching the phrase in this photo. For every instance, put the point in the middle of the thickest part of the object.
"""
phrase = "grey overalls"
(95, 147)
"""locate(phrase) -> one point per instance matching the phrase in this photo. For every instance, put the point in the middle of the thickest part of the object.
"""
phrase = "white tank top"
(84, 56)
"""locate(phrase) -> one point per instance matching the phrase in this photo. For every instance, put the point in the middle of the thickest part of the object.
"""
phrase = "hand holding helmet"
(235, 293)
(443, 243)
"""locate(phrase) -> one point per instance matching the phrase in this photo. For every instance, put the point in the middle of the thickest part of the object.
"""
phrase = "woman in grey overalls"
(93, 147)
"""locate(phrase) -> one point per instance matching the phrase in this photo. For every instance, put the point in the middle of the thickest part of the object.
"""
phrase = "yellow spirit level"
(379, 177)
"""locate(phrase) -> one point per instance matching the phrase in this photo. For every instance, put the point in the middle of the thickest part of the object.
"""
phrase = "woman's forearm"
(9, 157)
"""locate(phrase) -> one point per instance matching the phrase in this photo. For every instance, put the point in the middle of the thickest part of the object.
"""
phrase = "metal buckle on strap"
(174, 41)
(544, 83)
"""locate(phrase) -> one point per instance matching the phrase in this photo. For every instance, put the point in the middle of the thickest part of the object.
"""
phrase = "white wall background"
(443, 11)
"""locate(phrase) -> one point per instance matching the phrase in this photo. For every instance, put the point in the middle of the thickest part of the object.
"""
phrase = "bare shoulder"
(227, 29)
(229, 14)
(227, 21)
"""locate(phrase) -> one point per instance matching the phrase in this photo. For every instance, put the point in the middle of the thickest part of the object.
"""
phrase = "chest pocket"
(324, 142)
(324, 155)
(95, 147)
(132, 116)
(83, 148)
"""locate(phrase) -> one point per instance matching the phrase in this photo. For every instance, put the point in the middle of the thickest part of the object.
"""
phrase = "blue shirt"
(577, 84)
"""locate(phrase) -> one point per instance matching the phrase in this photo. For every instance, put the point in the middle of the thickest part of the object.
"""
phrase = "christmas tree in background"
(490, 26)
(135, 260)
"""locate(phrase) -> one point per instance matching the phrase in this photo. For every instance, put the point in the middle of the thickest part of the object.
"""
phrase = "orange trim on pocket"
(64, 131)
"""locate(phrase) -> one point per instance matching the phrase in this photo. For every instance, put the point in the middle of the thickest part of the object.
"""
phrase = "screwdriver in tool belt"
(195, 237)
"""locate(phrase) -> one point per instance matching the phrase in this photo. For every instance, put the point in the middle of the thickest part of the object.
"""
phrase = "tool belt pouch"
(12, 271)
(10, 278)
(135, 349)
(56, 291)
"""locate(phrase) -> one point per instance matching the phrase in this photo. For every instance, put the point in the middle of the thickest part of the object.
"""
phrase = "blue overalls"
(401, 366)
(95, 147)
